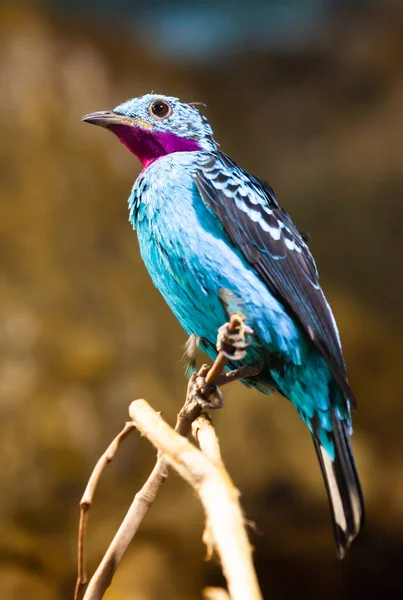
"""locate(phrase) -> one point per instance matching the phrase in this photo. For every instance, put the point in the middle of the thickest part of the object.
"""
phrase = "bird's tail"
(342, 485)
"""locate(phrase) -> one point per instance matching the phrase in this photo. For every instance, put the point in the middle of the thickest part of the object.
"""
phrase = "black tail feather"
(343, 487)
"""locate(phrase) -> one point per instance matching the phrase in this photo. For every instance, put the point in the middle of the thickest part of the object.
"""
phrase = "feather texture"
(343, 487)
(205, 225)
(257, 225)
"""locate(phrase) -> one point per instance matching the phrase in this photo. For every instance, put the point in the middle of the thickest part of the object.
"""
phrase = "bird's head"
(153, 126)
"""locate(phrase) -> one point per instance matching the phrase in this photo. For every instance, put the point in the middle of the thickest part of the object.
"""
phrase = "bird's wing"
(264, 233)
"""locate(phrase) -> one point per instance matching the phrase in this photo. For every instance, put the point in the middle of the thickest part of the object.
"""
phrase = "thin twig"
(142, 501)
(242, 373)
(102, 577)
(236, 322)
(86, 502)
(217, 493)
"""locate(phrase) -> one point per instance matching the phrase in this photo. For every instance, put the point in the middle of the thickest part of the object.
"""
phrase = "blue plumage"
(190, 259)
(204, 225)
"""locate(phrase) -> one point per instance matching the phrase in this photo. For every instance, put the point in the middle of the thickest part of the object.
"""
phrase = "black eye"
(160, 109)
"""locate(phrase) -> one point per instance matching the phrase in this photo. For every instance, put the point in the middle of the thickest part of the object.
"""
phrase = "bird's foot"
(233, 342)
(207, 395)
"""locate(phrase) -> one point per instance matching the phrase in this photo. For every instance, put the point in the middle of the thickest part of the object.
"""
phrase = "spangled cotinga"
(205, 225)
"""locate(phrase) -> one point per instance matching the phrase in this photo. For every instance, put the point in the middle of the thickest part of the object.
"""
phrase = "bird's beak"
(108, 118)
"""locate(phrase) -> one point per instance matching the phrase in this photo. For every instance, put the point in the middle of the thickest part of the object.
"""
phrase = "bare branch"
(217, 494)
(204, 433)
(236, 322)
(148, 494)
(136, 513)
(143, 500)
(214, 593)
(241, 373)
(86, 502)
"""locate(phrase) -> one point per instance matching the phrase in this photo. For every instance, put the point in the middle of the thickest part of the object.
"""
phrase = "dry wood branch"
(143, 500)
(214, 593)
(217, 494)
(236, 322)
(237, 374)
(148, 493)
(86, 502)
(136, 513)
(204, 433)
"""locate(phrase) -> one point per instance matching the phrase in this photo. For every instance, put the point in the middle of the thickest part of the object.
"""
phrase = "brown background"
(83, 331)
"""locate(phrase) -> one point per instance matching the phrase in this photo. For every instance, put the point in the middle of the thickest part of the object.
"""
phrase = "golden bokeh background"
(83, 332)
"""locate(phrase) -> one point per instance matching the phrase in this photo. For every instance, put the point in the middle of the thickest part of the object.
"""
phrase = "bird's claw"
(233, 344)
(208, 396)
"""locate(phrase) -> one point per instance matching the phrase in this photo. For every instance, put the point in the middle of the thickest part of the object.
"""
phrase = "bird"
(205, 225)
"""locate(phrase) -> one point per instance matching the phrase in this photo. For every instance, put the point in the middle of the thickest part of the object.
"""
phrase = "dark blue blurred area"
(203, 31)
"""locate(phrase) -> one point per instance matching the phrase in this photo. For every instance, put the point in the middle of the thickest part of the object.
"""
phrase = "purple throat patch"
(150, 145)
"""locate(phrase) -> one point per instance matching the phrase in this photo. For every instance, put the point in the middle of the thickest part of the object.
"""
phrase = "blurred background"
(305, 93)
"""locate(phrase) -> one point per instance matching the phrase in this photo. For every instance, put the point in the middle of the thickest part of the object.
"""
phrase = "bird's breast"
(190, 258)
(178, 246)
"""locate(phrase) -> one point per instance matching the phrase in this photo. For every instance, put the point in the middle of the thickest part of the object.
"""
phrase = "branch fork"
(202, 468)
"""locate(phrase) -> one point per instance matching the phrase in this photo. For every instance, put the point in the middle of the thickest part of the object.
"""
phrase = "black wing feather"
(264, 233)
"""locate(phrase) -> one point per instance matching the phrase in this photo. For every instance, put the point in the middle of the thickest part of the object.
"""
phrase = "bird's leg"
(232, 342)
(231, 345)
(207, 395)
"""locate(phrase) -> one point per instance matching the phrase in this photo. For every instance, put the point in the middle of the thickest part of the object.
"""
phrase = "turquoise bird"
(205, 225)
